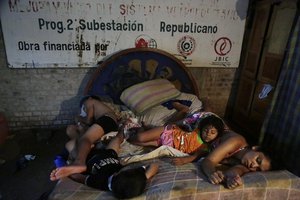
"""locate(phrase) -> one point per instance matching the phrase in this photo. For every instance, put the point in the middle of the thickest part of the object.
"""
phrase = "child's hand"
(233, 182)
(180, 161)
(151, 170)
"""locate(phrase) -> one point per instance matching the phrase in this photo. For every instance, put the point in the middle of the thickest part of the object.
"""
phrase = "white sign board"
(64, 33)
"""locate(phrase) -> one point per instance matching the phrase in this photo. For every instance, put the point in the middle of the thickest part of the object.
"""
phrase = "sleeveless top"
(217, 142)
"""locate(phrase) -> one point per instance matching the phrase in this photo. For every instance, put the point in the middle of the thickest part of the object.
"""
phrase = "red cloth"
(3, 128)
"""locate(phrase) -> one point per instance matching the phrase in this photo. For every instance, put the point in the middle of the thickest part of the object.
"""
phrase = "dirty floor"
(29, 180)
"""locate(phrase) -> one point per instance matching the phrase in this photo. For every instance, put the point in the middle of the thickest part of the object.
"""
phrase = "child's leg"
(72, 131)
(61, 172)
(147, 138)
(93, 134)
(71, 147)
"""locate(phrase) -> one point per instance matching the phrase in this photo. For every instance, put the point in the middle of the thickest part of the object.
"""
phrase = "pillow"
(145, 95)
(159, 115)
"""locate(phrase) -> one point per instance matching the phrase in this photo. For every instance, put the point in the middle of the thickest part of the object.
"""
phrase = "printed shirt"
(187, 142)
(100, 167)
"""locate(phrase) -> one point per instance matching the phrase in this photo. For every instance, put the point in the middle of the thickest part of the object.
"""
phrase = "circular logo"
(186, 45)
(223, 46)
(145, 41)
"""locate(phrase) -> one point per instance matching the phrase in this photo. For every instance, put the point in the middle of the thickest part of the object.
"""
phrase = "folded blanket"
(159, 152)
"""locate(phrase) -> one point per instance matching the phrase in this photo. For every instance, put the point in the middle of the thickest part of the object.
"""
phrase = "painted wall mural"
(64, 33)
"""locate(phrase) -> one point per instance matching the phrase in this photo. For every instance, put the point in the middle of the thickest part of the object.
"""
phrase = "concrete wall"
(43, 98)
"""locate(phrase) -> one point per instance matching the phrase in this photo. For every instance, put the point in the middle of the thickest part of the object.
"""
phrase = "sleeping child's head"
(210, 128)
(129, 183)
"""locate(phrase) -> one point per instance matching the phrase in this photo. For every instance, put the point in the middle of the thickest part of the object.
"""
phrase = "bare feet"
(61, 172)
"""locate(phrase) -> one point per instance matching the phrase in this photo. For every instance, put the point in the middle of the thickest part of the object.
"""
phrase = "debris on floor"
(22, 162)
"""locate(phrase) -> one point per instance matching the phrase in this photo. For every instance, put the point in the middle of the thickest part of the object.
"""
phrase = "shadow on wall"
(248, 16)
(70, 107)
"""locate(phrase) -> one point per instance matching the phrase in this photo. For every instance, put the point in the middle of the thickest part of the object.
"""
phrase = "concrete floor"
(31, 182)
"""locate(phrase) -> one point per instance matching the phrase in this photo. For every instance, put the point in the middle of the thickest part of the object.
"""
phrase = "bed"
(131, 67)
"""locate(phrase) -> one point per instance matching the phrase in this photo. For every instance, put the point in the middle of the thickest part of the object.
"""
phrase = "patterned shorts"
(166, 137)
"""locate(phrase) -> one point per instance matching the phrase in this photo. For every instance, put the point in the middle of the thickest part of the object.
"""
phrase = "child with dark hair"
(82, 121)
(96, 119)
(103, 171)
(135, 178)
(193, 138)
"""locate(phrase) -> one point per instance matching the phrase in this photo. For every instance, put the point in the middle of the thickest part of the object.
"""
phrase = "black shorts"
(107, 123)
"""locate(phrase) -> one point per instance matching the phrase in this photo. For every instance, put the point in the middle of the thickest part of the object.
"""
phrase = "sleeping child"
(193, 140)
(103, 170)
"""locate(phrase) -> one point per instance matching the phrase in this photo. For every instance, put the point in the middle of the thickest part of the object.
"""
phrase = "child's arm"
(183, 160)
(182, 111)
(190, 158)
(151, 170)
(209, 163)
(115, 142)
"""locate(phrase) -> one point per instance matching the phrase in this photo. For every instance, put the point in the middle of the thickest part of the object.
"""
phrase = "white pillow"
(159, 115)
(145, 95)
